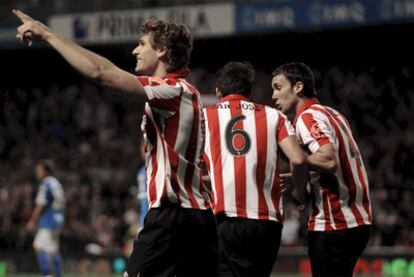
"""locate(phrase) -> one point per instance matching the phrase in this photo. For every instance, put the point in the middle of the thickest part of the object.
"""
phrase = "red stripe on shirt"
(172, 123)
(170, 134)
(203, 189)
(276, 194)
(143, 80)
(315, 212)
(325, 193)
(311, 125)
(345, 166)
(239, 164)
(152, 188)
(215, 149)
(164, 105)
(191, 152)
(329, 181)
(172, 155)
(282, 132)
(365, 200)
(261, 138)
(330, 191)
(197, 106)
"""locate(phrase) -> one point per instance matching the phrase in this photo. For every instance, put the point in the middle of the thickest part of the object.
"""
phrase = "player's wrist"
(48, 36)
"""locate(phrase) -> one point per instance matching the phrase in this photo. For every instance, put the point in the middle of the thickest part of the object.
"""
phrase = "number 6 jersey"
(241, 154)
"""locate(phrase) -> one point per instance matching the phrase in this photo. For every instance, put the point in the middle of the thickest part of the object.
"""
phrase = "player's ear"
(162, 52)
(298, 88)
(218, 93)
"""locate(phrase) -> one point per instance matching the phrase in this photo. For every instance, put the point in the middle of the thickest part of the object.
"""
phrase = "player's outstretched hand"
(30, 29)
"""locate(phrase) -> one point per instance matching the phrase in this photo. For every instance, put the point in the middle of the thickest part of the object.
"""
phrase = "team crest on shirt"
(316, 131)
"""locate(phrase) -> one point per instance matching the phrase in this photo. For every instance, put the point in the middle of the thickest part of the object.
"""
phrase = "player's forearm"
(95, 67)
(323, 162)
(86, 62)
(300, 177)
(36, 213)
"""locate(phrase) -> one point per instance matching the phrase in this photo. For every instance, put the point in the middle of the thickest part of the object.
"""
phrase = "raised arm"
(88, 63)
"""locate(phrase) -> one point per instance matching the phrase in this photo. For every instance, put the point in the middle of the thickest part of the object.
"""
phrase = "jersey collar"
(234, 97)
(308, 102)
(181, 73)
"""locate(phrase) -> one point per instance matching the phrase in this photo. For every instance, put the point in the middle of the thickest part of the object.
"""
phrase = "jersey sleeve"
(284, 128)
(313, 132)
(163, 94)
(41, 197)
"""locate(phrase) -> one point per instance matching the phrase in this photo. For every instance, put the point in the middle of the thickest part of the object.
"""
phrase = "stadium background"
(361, 52)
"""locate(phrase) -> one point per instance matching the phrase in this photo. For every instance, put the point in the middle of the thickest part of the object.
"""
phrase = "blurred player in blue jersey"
(48, 215)
(142, 188)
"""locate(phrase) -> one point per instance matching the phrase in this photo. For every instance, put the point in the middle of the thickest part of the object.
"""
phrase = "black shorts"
(248, 247)
(335, 253)
(176, 242)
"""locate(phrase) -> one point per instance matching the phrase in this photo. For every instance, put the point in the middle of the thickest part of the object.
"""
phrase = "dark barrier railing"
(379, 261)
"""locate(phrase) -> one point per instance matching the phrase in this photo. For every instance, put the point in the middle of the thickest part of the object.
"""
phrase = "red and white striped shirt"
(242, 157)
(173, 127)
(341, 200)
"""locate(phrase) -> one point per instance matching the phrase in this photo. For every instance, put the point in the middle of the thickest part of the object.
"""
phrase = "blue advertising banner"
(292, 15)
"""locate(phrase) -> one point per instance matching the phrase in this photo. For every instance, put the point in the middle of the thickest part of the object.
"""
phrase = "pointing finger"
(22, 16)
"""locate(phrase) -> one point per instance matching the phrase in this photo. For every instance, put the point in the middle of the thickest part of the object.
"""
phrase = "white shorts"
(47, 240)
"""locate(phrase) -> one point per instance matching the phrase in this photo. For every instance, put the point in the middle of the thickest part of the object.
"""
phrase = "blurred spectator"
(79, 130)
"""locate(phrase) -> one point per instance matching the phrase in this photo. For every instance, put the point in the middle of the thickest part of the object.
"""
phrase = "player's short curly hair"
(235, 77)
(176, 37)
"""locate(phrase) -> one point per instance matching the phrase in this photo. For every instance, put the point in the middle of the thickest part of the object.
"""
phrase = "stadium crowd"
(93, 138)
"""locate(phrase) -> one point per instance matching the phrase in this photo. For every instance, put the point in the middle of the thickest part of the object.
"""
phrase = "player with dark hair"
(48, 216)
(243, 144)
(179, 235)
(341, 217)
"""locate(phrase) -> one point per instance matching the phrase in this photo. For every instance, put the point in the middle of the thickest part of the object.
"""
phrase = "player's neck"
(160, 70)
(299, 104)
